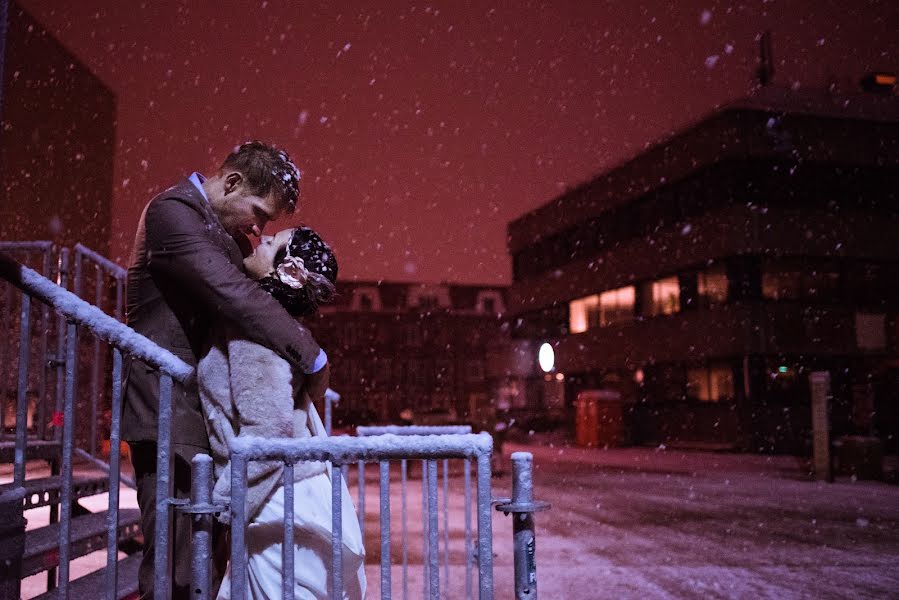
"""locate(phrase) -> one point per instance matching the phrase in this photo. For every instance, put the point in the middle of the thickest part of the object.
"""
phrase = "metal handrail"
(100, 324)
(343, 450)
(112, 268)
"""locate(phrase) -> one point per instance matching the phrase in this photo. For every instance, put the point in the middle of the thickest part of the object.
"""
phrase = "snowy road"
(640, 523)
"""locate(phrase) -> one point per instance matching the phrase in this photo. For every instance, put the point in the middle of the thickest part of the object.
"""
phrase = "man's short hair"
(267, 169)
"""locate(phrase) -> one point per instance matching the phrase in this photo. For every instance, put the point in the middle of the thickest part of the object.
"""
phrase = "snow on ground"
(650, 523)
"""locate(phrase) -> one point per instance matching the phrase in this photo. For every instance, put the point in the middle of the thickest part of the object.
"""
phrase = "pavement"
(649, 523)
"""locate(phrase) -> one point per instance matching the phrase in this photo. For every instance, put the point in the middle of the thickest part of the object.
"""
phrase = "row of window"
(779, 280)
(659, 297)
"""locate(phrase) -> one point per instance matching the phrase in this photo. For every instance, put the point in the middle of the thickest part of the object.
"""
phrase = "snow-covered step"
(46, 491)
(34, 450)
(87, 534)
(89, 585)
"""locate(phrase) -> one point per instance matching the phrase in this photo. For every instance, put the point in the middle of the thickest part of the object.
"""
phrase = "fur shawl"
(248, 390)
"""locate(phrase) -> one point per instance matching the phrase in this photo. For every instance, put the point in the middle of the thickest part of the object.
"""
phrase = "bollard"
(522, 507)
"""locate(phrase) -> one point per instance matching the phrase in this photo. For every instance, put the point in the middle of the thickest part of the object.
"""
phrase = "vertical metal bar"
(485, 530)
(201, 527)
(164, 487)
(523, 527)
(425, 522)
(77, 281)
(446, 578)
(405, 536)
(385, 530)
(119, 299)
(328, 410)
(287, 577)
(362, 497)
(42, 397)
(62, 281)
(238, 526)
(95, 366)
(433, 533)
(336, 534)
(4, 353)
(22, 392)
(68, 435)
(468, 554)
(115, 444)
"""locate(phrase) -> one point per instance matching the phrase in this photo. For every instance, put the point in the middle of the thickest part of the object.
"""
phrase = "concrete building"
(703, 280)
(409, 351)
(57, 141)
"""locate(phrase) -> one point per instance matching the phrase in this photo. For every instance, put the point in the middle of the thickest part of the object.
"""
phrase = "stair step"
(46, 491)
(91, 584)
(87, 534)
(34, 450)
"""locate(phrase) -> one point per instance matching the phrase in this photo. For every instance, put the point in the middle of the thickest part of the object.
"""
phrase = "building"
(703, 280)
(57, 141)
(414, 352)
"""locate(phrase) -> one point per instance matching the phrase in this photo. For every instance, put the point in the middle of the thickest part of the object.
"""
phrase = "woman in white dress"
(248, 390)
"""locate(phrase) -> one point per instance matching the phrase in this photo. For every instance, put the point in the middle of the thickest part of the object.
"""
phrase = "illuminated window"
(711, 286)
(579, 311)
(711, 384)
(599, 310)
(662, 297)
(616, 306)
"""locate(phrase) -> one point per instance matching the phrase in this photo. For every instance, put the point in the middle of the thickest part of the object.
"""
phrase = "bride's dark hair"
(320, 274)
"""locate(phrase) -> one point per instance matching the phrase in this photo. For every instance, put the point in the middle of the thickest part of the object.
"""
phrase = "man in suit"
(186, 269)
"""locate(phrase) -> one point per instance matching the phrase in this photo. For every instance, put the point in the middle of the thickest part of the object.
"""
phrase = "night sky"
(422, 129)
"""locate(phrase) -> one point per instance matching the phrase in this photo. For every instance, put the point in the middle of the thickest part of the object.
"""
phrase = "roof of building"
(749, 127)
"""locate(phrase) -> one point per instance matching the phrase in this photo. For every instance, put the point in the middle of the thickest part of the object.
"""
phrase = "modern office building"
(409, 351)
(703, 280)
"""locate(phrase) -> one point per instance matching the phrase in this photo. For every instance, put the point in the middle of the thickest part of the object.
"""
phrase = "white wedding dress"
(312, 541)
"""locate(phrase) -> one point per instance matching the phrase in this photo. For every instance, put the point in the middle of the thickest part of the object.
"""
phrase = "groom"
(187, 269)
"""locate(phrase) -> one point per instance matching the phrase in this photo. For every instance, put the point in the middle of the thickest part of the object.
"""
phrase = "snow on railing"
(346, 450)
(100, 324)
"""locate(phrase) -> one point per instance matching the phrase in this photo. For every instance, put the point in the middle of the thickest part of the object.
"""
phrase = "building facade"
(702, 281)
(57, 141)
(414, 352)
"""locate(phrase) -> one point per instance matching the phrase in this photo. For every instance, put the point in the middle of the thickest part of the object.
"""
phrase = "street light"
(546, 357)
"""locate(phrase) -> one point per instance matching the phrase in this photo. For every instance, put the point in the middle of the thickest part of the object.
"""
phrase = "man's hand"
(316, 383)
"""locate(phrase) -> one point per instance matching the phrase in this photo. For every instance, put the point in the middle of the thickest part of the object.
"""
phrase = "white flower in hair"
(292, 272)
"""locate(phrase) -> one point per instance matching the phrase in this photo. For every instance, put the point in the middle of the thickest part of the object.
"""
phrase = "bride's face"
(261, 262)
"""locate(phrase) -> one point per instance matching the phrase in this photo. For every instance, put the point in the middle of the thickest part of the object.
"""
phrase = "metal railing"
(78, 313)
(341, 451)
(91, 270)
(418, 430)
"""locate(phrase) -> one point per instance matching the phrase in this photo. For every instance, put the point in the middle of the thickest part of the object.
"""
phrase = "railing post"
(68, 443)
(112, 519)
(485, 530)
(201, 525)
(522, 507)
(164, 486)
(22, 392)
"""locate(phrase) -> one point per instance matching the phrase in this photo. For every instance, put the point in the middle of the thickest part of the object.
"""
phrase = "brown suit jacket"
(185, 272)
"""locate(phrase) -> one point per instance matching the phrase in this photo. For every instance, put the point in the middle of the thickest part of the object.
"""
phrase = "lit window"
(711, 384)
(616, 306)
(711, 286)
(578, 311)
(663, 297)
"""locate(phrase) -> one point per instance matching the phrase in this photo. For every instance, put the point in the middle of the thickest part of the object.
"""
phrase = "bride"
(248, 390)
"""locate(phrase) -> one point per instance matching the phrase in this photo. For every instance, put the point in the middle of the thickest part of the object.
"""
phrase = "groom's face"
(243, 211)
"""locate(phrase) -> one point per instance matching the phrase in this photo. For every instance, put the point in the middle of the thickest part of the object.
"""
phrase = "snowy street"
(641, 523)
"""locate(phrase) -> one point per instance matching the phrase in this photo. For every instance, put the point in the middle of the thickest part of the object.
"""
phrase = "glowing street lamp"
(546, 357)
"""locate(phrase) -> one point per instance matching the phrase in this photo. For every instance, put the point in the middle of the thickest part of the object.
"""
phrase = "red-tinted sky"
(422, 129)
